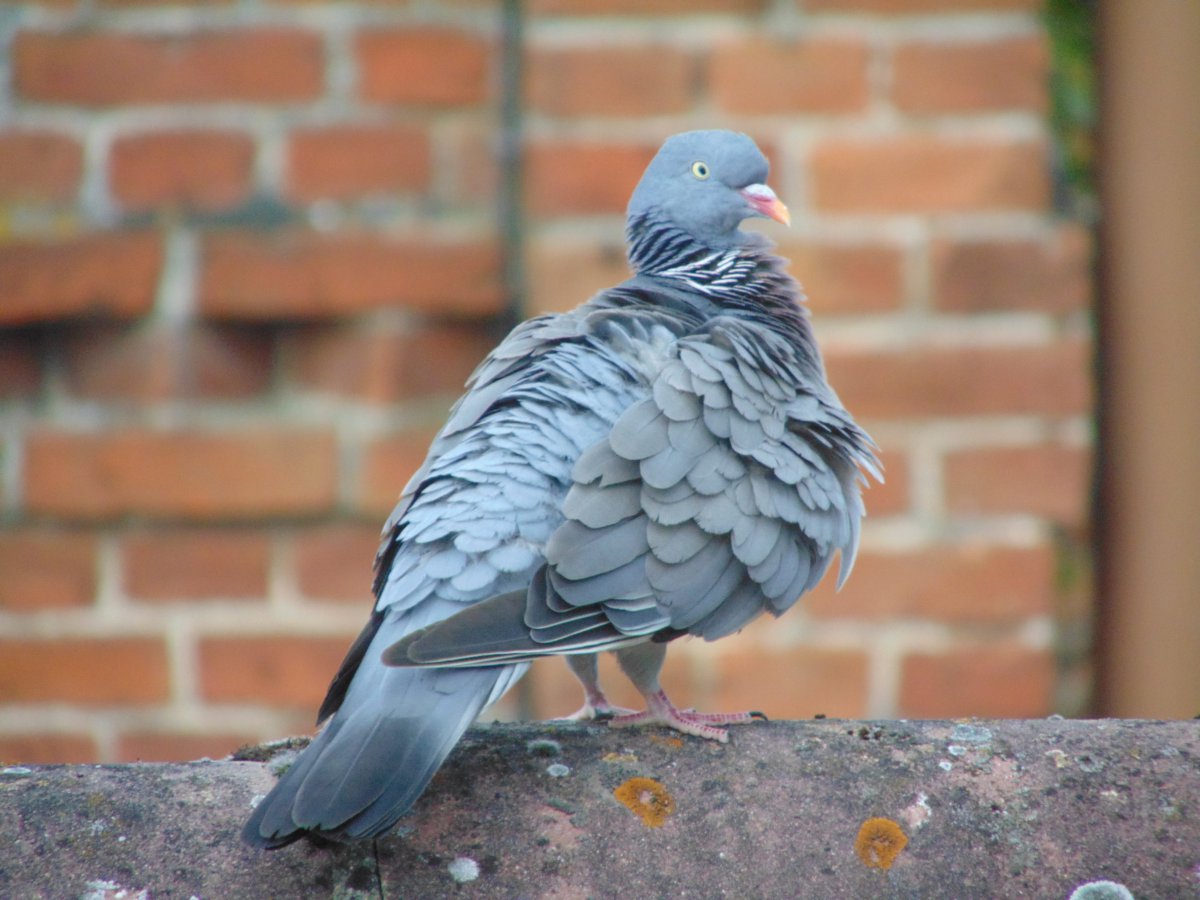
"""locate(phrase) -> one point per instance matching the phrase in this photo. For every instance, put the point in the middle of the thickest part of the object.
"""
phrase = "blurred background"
(250, 250)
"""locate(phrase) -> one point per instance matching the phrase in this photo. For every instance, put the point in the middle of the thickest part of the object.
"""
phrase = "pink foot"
(660, 711)
(590, 711)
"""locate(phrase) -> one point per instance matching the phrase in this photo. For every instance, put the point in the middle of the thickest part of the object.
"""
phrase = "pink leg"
(661, 711)
(642, 663)
(595, 704)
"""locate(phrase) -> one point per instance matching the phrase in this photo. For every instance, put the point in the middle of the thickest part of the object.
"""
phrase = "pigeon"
(666, 460)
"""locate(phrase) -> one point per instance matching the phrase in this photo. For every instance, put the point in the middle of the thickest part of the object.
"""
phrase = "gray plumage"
(666, 459)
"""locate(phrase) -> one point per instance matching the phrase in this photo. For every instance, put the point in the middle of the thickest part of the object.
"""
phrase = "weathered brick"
(100, 274)
(205, 170)
(986, 681)
(764, 76)
(350, 162)
(39, 166)
(381, 364)
(185, 473)
(275, 670)
(195, 564)
(334, 562)
(927, 174)
(790, 683)
(388, 463)
(147, 363)
(428, 66)
(300, 275)
(840, 279)
(157, 746)
(84, 671)
(47, 748)
(972, 76)
(908, 7)
(974, 583)
(46, 568)
(610, 81)
(270, 65)
(573, 177)
(1050, 480)
(991, 276)
(564, 271)
(1052, 379)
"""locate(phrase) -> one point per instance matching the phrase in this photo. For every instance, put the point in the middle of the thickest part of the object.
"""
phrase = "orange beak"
(764, 202)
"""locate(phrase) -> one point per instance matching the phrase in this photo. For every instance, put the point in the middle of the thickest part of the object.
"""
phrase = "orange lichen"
(879, 842)
(614, 757)
(648, 800)
(673, 742)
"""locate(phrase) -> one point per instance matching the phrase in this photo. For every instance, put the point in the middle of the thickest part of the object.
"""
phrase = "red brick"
(793, 683)
(424, 66)
(205, 170)
(20, 364)
(841, 279)
(273, 671)
(469, 165)
(150, 363)
(153, 746)
(565, 271)
(987, 681)
(972, 76)
(1052, 378)
(642, 7)
(907, 7)
(1050, 480)
(196, 564)
(387, 465)
(84, 671)
(764, 76)
(382, 364)
(352, 162)
(39, 166)
(46, 568)
(334, 562)
(287, 276)
(47, 749)
(894, 496)
(269, 65)
(101, 274)
(610, 81)
(186, 474)
(926, 174)
(975, 583)
(565, 177)
(988, 276)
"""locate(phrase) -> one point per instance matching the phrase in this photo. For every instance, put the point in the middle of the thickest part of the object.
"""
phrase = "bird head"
(707, 183)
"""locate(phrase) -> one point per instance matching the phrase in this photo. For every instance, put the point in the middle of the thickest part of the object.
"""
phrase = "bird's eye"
(700, 169)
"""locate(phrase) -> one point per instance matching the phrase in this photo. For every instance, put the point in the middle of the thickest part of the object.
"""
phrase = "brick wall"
(249, 252)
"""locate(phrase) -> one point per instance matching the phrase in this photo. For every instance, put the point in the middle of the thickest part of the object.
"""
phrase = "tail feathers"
(373, 761)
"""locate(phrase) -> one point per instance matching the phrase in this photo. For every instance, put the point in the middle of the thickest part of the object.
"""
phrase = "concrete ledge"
(966, 809)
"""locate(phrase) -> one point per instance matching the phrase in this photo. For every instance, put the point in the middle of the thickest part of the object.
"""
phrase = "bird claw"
(660, 711)
(598, 712)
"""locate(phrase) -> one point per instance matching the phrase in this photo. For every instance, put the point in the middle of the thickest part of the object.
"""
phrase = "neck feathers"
(743, 274)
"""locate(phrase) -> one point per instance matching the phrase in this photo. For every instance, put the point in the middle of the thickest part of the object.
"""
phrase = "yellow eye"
(700, 169)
